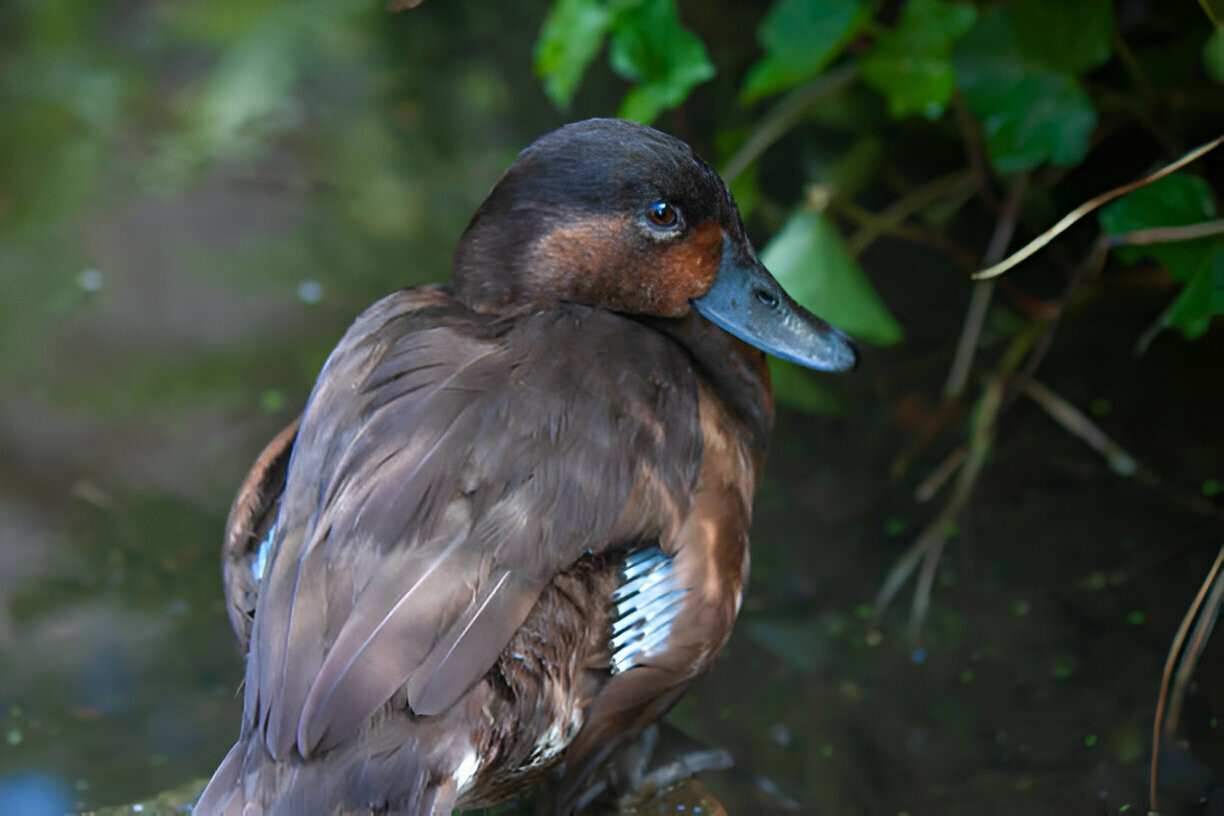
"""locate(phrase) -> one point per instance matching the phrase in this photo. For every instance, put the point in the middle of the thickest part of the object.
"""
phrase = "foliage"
(800, 37)
(1177, 200)
(1213, 55)
(911, 65)
(1032, 110)
(810, 260)
(571, 37)
(1024, 70)
(649, 47)
(664, 59)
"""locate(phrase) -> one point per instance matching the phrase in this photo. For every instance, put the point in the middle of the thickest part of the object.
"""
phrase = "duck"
(511, 525)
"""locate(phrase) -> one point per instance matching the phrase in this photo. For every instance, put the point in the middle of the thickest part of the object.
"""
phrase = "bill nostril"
(766, 297)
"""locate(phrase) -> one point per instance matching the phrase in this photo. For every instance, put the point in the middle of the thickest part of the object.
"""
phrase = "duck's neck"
(736, 371)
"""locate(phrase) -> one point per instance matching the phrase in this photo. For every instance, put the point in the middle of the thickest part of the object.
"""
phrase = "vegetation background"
(197, 197)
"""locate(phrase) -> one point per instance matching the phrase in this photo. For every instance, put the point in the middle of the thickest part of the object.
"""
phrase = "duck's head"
(621, 216)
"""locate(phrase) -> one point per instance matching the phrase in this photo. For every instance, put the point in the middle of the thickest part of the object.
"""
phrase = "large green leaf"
(571, 36)
(801, 390)
(1067, 36)
(1214, 10)
(652, 48)
(800, 38)
(1202, 299)
(810, 261)
(1176, 200)
(1031, 112)
(912, 64)
(1213, 55)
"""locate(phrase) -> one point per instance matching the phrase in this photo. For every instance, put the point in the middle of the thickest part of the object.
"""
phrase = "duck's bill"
(747, 302)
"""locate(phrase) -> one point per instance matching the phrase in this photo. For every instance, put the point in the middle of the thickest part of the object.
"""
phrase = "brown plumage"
(449, 531)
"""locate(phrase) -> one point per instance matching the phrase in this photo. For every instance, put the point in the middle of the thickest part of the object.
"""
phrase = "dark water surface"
(162, 316)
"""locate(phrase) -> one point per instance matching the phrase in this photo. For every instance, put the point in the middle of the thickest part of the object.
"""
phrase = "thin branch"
(945, 470)
(1166, 235)
(979, 304)
(921, 603)
(975, 154)
(785, 115)
(959, 255)
(928, 547)
(1194, 650)
(1127, 57)
(916, 200)
(1032, 247)
(1171, 662)
(944, 415)
(1036, 351)
(1078, 424)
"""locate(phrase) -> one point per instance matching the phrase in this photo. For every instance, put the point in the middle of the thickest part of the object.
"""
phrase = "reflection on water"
(235, 181)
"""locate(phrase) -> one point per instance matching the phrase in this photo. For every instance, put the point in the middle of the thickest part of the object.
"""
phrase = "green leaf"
(801, 37)
(1071, 37)
(1030, 112)
(1176, 200)
(572, 35)
(810, 261)
(799, 389)
(1202, 299)
(652, 48)
(1213, 55)
(1214, 9)
(912, 64)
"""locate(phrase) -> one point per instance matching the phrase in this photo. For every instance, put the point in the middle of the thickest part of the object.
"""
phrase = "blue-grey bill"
(747, 302)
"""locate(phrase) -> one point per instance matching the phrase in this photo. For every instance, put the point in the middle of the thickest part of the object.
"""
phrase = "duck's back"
(454, 471)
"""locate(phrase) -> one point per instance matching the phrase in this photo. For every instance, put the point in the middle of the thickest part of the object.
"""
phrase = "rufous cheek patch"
(572, 261)
(689, 266)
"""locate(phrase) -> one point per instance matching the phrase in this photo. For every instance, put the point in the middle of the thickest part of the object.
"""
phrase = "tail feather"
(249, 782)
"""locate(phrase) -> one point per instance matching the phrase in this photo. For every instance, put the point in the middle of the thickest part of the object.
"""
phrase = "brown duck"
(511, 527)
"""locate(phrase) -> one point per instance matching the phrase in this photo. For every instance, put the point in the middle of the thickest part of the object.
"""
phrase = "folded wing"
(448, 465)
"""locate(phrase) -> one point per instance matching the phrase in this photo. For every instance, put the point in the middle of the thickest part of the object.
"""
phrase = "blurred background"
(971, 557)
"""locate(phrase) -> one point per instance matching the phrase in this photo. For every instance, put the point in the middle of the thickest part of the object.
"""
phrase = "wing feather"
(448, 465)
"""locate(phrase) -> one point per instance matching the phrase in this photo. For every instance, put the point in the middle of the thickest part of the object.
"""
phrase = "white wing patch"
(469, 766)
(259, 565)
(646, 604)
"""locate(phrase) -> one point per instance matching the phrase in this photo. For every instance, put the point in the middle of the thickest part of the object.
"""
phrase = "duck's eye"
(662, 215)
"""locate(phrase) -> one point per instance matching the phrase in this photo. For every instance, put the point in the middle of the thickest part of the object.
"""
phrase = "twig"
(959, 255)
(943, 416)
(785, 115)
(1167, 235)
(1048, 323)
(944, 471)
(921, 603)
(928, 547)
(979, 303)
(975, 155)
(1127, 57)
(1194, 650)
(1029, 249)
(1079, 425)
(1150, 334)
(1090, 267)
(901, 209)
(1171, 662)
(1162, 235)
